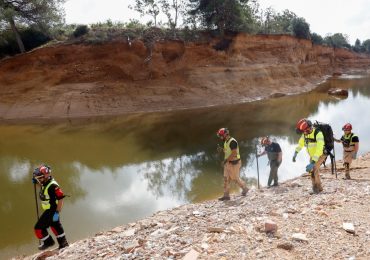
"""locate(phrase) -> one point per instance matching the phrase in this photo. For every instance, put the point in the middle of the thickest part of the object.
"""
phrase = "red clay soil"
(81, 80)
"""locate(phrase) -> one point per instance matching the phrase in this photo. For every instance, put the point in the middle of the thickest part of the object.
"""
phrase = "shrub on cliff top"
(300, 28)
(80, 30)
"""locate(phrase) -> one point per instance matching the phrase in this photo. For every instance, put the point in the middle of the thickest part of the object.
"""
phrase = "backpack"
(327, 132)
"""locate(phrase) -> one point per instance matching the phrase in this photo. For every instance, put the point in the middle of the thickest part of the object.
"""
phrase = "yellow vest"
(227, 149)
(45, 199)
(314, 148)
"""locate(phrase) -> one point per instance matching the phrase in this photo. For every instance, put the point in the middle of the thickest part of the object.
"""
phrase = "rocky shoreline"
(285, 222)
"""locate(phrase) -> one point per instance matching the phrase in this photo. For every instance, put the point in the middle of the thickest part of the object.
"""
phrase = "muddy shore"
(284, 222)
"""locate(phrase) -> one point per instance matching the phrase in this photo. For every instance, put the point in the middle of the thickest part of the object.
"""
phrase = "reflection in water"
(123, 169)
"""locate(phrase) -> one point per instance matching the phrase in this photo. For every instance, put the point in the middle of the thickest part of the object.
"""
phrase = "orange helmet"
(303, 125)
(222, 132)
(265, 140)
(347, 127)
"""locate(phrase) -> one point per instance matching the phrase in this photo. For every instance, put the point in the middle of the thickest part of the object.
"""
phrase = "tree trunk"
(17, 35)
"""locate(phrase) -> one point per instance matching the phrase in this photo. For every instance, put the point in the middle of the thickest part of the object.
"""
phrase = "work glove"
(310, 166)
(354, 155)
(56, 216)
(34, 181)
(295, 156)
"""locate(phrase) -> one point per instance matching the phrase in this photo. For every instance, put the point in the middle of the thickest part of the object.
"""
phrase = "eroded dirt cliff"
(79, 80)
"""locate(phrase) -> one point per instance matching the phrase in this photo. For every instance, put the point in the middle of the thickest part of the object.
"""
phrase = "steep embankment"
(278, 223)
(79, 80)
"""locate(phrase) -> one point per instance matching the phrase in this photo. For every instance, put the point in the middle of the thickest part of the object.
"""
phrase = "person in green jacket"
(313, 140)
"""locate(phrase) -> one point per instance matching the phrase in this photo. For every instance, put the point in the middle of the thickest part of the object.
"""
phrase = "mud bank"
(79, 80)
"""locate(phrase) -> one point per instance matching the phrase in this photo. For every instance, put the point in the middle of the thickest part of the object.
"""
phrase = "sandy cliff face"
(118, 77)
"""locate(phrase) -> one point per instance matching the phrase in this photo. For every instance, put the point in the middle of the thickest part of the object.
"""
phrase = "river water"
(119, 170)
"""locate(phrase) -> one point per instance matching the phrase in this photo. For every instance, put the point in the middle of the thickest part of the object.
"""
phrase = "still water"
(123, 169)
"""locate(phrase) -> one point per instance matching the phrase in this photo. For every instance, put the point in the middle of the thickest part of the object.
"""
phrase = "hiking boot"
(62, 241)
(225, 197)
(244, 192)
(48, 242)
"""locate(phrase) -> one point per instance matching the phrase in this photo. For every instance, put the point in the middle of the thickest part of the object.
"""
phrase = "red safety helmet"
(347, 127)
(41, 171)
(222, 132)
(303, 125)
(265, 140)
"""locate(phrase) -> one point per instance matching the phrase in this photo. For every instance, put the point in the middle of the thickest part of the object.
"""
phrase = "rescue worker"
(275, 155)
(313, 140)
(51, 196)
(231, 163)
(350, 143)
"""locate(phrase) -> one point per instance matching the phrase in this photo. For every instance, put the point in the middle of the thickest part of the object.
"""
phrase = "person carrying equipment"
(350, 143)
(313, 140)
(231, 163)
(51, 196)
(275, 155)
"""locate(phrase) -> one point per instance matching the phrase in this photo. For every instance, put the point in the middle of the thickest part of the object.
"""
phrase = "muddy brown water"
(123, 169)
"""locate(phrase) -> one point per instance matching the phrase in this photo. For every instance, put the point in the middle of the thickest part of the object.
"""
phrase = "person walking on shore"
(350, 143)
(51, 196)
(275, 155)
(231, 163)
(313, 140)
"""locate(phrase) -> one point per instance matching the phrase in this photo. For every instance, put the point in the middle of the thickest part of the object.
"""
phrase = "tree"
(337, 40)
(316, 38)
(41, 13)
(300, 28)
(282, 23)
(358, 47)
(172, 9)
(222, 14)
(147, 7)
(366, 45)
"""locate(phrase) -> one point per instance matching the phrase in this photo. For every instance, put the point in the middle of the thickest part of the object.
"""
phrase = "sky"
(325, 17)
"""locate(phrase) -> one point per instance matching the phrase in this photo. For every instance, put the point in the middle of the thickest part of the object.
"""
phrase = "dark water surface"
(123, 169)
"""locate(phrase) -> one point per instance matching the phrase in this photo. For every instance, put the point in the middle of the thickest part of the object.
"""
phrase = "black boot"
(244, 191)
(48, 242)
(225, 197)
(62, 241)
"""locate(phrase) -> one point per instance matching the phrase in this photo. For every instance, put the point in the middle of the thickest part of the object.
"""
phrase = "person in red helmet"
(231, 163)
(51, 196)
(275, 155)
(350, 143)
(313, 140)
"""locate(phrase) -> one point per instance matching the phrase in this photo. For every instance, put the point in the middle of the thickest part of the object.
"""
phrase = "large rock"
(338, 92)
